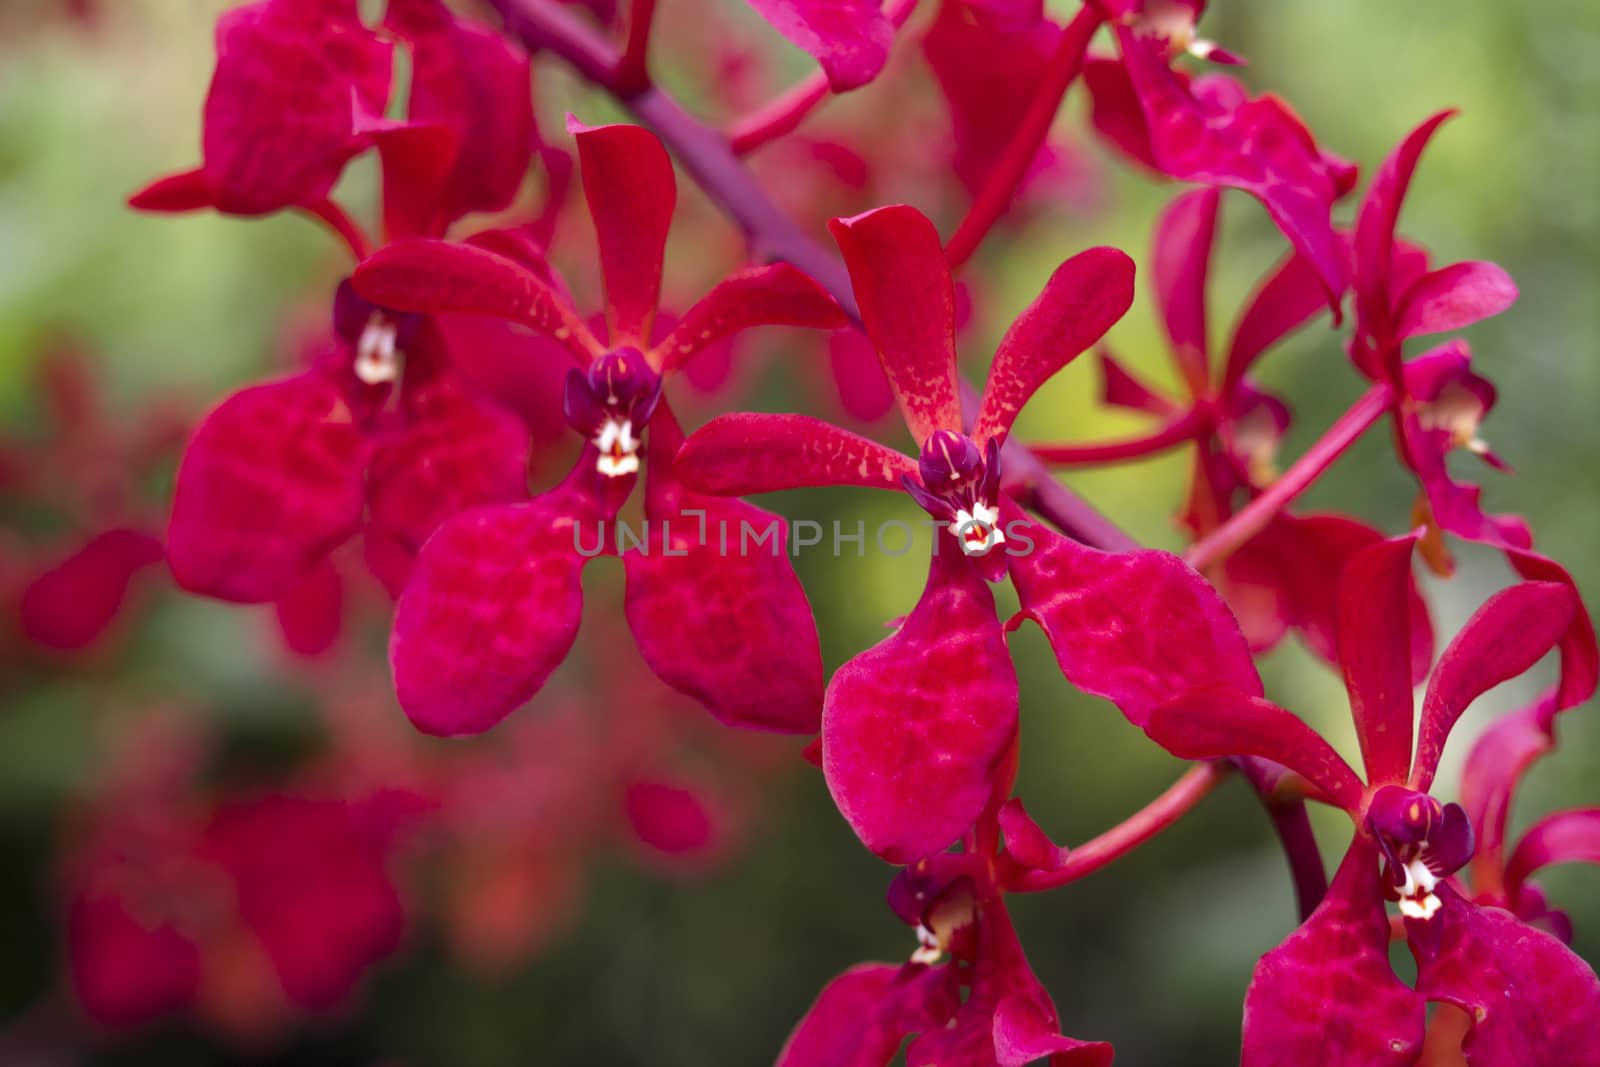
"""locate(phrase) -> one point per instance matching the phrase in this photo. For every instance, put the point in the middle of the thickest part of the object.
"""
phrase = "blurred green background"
(1153, 953)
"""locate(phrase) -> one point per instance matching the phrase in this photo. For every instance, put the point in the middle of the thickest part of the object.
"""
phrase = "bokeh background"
(713, 968)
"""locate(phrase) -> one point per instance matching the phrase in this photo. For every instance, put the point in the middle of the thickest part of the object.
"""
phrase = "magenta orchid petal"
(1580, 656)
(1375, 641)
(1215, 721)
(734, 455)
(417, 162)
(1120, 388)
(1562, 837)
(864, 390)
(1084, 298)
(1135, 627)
(71, 604)
(1288, 298)
(1024, 1034)
(174, 194)
(1374, 244)
(128, 968)
(1511, 632)
(270, 482)
(914, 729)
(861, 1017)
(1529, 998)
(776, 295)
(908, 304)
(1327, 995)
(849, 39)
(629, 183)
(279, 117)
(670, 819)
(491, 610)
(1116, 112)
(436, 276)
(454, 452)
(1026, 841)
(1494, 766)
(311, 615)
(1181, 260)
(720, 617)
(1454, 297)
(470, 79)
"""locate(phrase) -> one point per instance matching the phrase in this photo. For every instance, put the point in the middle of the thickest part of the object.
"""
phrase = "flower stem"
(632, 71)
(1253, 517)
(1023, 148)
(347, 229)
(1184, 794)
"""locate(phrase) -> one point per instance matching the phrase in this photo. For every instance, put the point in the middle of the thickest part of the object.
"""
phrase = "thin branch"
(1253, 517)
(1180, 798)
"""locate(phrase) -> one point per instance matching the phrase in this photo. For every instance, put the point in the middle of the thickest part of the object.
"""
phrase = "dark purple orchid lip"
(610, 402)
(961, 487)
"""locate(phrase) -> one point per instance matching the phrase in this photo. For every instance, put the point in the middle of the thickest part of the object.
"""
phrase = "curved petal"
(1562, 837)
(491, 609)
(72, 603)
(1454, 297)
(915, 728)
(1505, 637)
(1024, 1034)
(270, 482)
(1327, 995)
(1082, 300)
(629, 183)
(861, 1017)
(475, 82)
(1375, 640)
(850, 39)
(437, 276)
(733, 455)
(1287, 299)
(279, 116)
(908, 305)
(1120, 388)
(127, 967)
(1530, 999)
(718, 617)
(775, 295)
(1180, 261)
(864, 390)
(1215, 722)
(453, 453)
(1374, 245)
(672, 820)
(1133, 627)
(1489, 778)
(1580, 657)
(311, 615)
(174, 194)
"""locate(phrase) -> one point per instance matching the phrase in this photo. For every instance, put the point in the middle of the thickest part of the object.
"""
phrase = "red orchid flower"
(85, 471)
(1327, 995)
(1500, 872)
(849, 39)
(919, 732)
(494, 603)
(1208, 130)
(1436, 402)
(1285, 577)
(381, 434)
(280, 117)
(967, 990)
(176, 907)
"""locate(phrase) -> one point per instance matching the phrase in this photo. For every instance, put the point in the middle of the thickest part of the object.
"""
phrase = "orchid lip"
(619, 449)
(377, 351)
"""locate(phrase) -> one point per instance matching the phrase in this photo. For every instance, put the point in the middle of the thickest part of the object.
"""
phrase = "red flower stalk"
(918, 734)
(494, 604)
(1327, 994)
